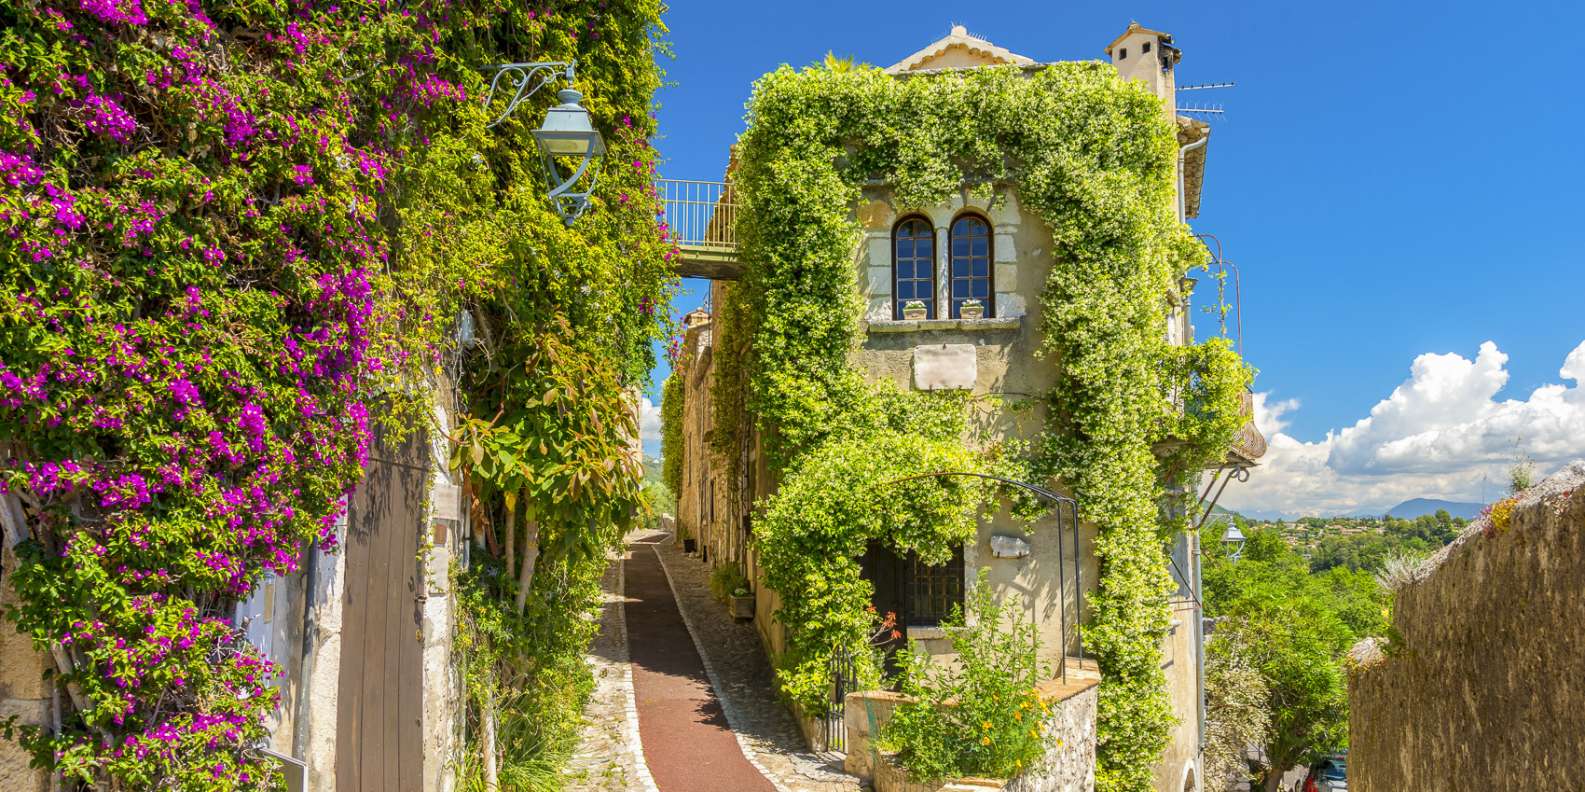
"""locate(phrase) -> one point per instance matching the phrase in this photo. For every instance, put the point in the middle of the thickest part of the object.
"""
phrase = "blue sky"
(1394, 180)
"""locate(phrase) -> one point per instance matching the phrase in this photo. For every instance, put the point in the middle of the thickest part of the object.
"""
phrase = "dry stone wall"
(1484, 685)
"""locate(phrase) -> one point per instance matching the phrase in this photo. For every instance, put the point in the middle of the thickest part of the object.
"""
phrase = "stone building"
(996, 251)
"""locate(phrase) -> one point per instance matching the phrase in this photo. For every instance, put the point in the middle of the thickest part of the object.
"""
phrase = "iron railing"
(699, 214)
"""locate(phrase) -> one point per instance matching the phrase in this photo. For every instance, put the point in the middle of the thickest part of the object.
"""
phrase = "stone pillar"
(443, 694)
(316, 730)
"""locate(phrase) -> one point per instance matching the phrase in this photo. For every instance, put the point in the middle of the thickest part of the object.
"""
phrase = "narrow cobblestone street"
(611, 758)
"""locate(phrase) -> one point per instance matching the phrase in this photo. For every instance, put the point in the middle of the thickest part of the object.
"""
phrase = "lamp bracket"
(524, 80)
(1235, 472)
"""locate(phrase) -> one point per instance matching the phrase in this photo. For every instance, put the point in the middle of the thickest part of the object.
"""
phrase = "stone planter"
(971, 310)
(1068, 764)
(915, 311)
(742, 607)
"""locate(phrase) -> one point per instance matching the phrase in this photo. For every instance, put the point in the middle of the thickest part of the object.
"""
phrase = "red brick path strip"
(687, 743)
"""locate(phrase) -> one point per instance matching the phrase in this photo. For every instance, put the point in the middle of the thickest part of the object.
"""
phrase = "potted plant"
(742, 604)
(914, 310)
(688, 544)
(971, 310)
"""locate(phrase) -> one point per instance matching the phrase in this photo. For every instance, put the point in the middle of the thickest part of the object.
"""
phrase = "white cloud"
(1441, 434)
(648, 422)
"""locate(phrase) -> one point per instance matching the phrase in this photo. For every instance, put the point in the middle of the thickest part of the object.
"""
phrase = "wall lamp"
(567, 132)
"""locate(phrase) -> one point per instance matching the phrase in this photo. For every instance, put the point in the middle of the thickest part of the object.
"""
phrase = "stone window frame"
(880, 215)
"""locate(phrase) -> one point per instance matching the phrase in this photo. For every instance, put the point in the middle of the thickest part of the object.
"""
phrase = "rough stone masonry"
(1483, 686)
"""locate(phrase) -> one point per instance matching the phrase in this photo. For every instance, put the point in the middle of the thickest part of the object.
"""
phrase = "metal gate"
(378, 742)
(844, 680)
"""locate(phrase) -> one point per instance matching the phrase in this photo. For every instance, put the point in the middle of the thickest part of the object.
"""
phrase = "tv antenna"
(1204, 110)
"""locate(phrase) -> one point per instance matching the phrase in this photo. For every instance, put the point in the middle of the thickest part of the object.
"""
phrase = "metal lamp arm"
(522, 76)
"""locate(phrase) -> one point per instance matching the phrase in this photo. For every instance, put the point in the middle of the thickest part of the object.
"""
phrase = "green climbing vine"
(850, 492)
(1091, 156)
(671, 418)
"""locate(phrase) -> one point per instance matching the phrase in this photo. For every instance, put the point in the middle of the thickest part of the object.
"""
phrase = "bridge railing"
(700, 214)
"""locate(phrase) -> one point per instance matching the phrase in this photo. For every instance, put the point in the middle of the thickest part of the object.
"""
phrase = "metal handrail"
(699, 214)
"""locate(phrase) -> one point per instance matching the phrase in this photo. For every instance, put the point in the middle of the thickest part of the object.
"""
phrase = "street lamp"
(1233, 538)
(568, 132)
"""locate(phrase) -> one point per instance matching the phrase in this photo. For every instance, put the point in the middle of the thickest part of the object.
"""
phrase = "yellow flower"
(1019, 715)
(1032, 735)
(985, 741)
(987, 725)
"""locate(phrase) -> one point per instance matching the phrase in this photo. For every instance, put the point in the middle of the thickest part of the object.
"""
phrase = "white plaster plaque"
(880, 309)
(945, 367)
(1009, 547)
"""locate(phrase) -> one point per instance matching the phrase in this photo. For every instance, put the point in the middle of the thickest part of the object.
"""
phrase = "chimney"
(1148, 56)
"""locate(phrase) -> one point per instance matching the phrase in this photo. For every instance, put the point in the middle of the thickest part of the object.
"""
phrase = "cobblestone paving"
(608, 759)
(742, 677)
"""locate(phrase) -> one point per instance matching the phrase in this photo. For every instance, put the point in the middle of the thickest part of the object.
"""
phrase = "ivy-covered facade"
(970, 262)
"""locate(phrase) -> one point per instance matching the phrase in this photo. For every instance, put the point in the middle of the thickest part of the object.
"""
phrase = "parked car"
(1328, 775)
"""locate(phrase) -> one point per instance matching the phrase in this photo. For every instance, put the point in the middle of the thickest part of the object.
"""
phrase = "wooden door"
(378, 742)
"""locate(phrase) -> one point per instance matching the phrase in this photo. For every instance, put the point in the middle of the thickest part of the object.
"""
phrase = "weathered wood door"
(378, 743)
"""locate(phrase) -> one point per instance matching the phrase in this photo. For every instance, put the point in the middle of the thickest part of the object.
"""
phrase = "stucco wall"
(1180, 664)
(1482, 687)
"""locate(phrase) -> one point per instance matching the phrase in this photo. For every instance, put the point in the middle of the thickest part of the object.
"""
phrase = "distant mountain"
(1416, 507)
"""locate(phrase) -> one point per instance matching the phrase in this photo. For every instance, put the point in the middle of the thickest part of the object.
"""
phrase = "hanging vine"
(1093, 158)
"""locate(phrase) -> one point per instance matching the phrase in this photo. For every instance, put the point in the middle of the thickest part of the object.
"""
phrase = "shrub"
(726, 580)
(983, 717)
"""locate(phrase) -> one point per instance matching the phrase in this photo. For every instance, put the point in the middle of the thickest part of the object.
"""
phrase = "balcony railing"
(702, 215)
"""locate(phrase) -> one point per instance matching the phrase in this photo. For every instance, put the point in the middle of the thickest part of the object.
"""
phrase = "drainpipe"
(1183, 158)
(1199, 635)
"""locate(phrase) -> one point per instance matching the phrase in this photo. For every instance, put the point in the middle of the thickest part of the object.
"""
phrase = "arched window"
(971, 263)
(913, 266)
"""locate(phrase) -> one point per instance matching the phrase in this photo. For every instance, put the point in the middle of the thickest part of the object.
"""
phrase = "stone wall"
(1481, 688)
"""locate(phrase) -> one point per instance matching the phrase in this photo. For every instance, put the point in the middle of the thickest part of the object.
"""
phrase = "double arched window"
(968, 271)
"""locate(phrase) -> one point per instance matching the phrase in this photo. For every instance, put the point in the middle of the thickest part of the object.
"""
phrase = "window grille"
(913, 266)
(934, 591)
(971, 264)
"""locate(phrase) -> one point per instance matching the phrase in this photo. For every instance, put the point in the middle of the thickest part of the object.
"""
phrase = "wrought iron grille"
(699, 214)
(934, 591)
